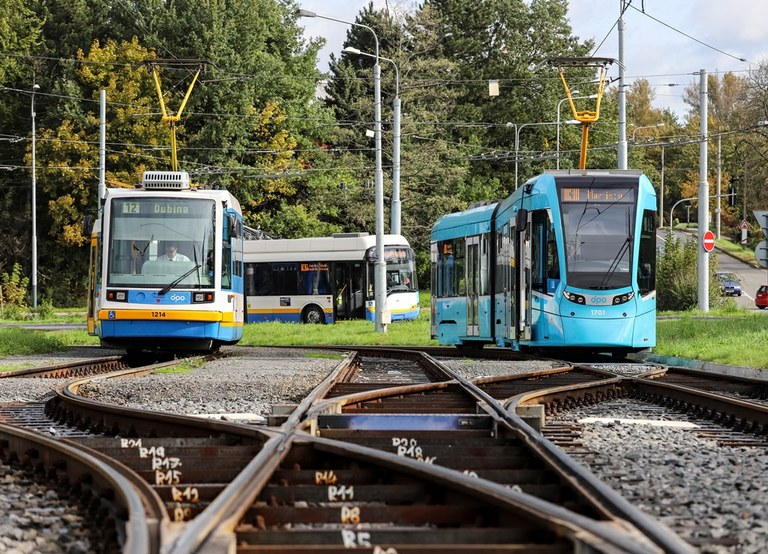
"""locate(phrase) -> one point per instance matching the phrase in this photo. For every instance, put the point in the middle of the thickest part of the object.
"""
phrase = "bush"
(677, 285)
(13, 288)
(45, 310)
(13, 312)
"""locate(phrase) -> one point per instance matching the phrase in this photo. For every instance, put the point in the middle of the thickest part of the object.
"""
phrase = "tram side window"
(502, 258)
(450, 270)
(544, 263)
(646, 266)
(226, 265)
(485, 245)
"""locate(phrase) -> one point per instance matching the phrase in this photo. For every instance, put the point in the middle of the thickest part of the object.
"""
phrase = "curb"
(722, 369)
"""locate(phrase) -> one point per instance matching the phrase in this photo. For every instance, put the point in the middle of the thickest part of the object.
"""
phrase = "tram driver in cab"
(172, 254)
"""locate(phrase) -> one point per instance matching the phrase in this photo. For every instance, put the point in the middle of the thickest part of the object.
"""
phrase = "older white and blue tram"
(567, 261)
(166, 270)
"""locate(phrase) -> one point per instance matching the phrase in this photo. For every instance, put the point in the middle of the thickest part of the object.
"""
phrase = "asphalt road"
(751, 278)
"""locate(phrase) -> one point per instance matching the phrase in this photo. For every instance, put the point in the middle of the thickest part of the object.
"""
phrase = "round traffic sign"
(708, 241)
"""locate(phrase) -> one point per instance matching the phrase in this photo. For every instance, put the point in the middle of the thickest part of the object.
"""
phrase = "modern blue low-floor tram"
(568, 261)
(166, 270)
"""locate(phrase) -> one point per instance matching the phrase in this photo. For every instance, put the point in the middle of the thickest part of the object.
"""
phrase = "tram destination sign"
(613, 195)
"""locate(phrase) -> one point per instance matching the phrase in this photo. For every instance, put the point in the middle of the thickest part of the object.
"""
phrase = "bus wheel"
(313, 314)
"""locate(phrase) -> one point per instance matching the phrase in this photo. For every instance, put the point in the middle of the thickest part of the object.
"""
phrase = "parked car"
(730, 284)
(761, 297)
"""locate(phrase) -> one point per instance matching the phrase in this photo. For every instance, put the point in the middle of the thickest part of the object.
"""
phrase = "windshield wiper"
(615, 263)
(168, 287)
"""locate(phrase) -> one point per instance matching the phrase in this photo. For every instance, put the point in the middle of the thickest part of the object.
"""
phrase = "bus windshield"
(401, 269)
(155, 241)
(597, 227)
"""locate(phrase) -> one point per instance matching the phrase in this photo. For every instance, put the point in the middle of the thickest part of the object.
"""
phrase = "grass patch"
(71, 315)
(325, 356)
(736, 339)
(344, 332)
(184, 366)
(736, 250)
(29, 341)
(14, 367)
(727, 335)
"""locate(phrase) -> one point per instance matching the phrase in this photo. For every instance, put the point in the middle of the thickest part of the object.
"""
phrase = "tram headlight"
(576, 298)
(623, 298)
(117, 295)
(202, 297)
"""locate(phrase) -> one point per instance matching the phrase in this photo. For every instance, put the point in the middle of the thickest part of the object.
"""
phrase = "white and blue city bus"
(325, 279)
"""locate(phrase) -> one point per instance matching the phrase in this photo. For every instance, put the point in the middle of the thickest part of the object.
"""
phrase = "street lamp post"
(572, 121)
(519, 127)
(672, 210)
(661, 190)
(645, 127)
(380, 267)
(35, 88)
(394, 226)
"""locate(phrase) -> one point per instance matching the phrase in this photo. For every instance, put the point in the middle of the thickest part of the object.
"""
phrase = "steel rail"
(603, 495)
(750, 415)
(611, 504)
(91, 473)
(69, 369)
(215, 526)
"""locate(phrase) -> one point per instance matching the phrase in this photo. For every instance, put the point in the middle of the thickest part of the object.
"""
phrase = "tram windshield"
(598, 231)
(155, 241)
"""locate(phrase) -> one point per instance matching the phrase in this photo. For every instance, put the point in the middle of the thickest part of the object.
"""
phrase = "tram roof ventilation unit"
(165, 180)
(349, 235)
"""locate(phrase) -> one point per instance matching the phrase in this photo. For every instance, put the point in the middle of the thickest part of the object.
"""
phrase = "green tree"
(19, 35)
(19, 32)
(250, 125)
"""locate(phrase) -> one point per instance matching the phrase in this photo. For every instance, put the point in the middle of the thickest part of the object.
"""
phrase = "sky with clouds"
(665, 41)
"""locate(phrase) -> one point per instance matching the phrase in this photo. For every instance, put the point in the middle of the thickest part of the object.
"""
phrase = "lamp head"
(351, 50)
(306, 13)
(35, 87)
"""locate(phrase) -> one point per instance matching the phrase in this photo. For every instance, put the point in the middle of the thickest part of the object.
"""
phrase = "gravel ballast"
(715, 496)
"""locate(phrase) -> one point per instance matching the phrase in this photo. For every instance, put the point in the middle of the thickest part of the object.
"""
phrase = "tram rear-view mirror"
(521, 220)
(87, 226)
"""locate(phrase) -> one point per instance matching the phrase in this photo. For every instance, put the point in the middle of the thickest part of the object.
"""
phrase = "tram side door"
(94, 273)
(508, 281)
(523, 274)
(473, 285)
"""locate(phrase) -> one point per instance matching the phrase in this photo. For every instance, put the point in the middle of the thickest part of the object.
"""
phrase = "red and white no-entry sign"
(708, 241)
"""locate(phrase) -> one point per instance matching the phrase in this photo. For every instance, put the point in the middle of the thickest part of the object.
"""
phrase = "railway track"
(121, 513)
(426, 420)
(387, 453)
